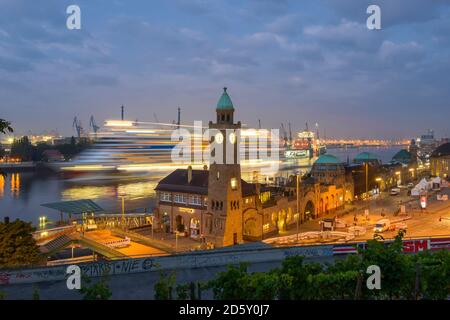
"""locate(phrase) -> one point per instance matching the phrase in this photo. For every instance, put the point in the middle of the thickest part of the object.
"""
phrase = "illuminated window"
(233, 183)
(165, 196)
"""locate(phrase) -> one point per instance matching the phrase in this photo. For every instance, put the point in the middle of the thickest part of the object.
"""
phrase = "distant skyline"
(282, 61)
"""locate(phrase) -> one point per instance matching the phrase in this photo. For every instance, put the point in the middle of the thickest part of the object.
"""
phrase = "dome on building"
(327, 159)
(225, 101)
(403, 156)
(366, 156)
(442, 150)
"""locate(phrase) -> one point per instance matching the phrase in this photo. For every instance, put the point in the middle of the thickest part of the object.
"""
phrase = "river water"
(22, 193)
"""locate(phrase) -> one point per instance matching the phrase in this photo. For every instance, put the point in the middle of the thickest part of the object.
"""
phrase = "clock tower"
(224, 182)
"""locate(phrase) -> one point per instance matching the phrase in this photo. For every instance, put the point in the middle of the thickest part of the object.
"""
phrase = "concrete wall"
(190, 260)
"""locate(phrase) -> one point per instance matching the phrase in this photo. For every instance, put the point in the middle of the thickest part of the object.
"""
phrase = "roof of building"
(225, 101)
(177, 181)
(327, 159)
(75, 207)
(365, 156)
(402, 156)
(442, 150)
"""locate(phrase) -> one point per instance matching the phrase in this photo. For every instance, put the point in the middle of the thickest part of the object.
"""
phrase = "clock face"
(232, 138)
(218, 138)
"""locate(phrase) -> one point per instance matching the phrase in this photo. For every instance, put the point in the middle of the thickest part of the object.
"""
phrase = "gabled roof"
(177, 181)
(225, 101)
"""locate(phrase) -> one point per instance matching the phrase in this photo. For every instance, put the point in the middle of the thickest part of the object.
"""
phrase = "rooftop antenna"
(179, 117)
(122, 113)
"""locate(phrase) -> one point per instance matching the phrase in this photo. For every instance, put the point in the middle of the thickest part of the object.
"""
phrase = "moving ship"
(130, 149)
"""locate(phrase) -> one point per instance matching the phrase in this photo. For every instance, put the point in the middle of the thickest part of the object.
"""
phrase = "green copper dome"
(225, 101)
(366, 156)
(327, 159)
(403, 156)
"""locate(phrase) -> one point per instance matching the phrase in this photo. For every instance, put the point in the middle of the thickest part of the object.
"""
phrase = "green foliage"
(182, 291)
(98, 291)
(5, 126)
(403, 276)
(17, 245)
(23, 149)
(2, 295)
(36, 295)
(163, 288)
(230, 284)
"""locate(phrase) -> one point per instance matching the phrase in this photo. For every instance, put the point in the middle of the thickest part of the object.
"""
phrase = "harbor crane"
(283, 131)
(77, 126)
(93, 125)
(290, 133)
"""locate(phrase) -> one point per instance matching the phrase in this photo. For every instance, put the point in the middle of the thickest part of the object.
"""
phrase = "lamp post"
(176, 241)
(298, 206)
(123, 212)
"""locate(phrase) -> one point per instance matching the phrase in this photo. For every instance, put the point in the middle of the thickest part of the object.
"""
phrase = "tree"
(163, 288)
(97, 291)
(230, 284)
(17, 245)
(397, 274)
(23, 149)
(5, 126)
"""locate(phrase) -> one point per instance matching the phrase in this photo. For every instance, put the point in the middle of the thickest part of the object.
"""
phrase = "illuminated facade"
(440, 161)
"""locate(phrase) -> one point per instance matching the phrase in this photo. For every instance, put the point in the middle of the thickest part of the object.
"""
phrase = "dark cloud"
(303, 61)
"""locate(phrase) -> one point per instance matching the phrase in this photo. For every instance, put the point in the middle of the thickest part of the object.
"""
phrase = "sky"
(284, 61)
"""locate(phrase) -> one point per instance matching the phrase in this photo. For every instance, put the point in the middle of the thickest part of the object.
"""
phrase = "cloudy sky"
(283, 61)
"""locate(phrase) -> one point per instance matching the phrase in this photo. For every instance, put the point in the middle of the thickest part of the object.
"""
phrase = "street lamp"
(298, 205)
(399, 181)
(123, 212)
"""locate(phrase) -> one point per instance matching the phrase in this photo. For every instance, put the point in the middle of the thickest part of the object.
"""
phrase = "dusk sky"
(282, 61)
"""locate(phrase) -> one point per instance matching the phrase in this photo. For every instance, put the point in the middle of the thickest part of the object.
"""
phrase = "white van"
(382, 225)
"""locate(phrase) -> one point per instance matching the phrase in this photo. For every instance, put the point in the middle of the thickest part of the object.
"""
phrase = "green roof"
(328, 159)
(77, 206)
(402, 155)
(225, 101)
(366, 156)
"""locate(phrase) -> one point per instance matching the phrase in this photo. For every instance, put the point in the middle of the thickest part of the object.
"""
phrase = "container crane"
(77, 126)
(93, 125)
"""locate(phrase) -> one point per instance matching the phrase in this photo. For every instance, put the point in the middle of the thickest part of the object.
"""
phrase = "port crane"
(93, 125)
(290, 133)
(77, 126)
(283, 131)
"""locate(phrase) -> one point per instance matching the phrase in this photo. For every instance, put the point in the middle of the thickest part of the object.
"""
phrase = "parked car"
(382, 225)
(394, 192)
